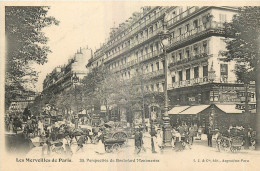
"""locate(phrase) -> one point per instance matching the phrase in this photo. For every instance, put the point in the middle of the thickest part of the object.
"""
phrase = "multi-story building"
(60, 78)
(197, 73)
(18, 105)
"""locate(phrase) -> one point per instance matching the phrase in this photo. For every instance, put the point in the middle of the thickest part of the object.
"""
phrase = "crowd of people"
(60, 135)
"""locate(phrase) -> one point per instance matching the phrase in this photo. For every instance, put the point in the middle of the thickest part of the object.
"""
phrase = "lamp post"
(164, 39)
(75, 80)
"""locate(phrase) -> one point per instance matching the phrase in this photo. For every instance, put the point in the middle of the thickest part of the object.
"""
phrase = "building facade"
(197, 73)
(60, 78)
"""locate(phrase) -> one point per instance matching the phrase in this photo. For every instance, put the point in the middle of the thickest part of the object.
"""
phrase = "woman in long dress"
(159, 138)
(100, 144)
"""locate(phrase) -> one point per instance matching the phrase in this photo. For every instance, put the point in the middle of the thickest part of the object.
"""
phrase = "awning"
(176, 110)
(193, 110)
(229, 108)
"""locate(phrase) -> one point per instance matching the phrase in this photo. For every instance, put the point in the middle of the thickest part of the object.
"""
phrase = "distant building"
(61, 77)
(18, 105)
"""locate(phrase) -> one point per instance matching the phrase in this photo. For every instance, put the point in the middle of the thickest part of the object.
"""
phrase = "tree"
(25, 45)
(243, 47)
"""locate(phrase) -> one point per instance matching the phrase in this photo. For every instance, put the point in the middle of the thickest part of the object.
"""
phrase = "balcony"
(185, 60)
(191, 82)
(199, 81)
(211, 27)
(154, 74)
(136, 29)
(182, 15)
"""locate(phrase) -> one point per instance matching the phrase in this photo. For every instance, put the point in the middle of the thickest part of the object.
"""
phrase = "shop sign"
(242, 106)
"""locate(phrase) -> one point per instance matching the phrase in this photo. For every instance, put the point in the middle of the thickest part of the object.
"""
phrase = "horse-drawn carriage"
(116, 136)
(232, 141)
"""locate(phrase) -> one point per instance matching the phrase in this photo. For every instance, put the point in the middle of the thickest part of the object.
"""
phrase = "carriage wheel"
(108, 149)
(115, 147)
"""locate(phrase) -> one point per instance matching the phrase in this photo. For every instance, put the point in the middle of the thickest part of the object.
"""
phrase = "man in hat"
(138, 141)
(209, 136)
(153, 134)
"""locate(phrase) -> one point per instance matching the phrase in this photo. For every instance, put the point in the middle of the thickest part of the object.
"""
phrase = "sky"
(81, 25)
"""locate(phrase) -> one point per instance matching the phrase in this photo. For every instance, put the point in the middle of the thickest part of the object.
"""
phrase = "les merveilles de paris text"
(85, 160)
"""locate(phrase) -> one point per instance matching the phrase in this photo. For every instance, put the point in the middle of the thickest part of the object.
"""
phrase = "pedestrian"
(209, 136)
(218, 140)
(80, 143)
(159, 138)
(138, 141)
(191, 134)
(67, 145)
(153, 134)
(100, 144)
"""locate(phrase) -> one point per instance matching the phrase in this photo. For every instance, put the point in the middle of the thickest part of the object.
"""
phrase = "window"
(157, 65)
(180, 31)
(223, 69)
(180, 56)
(173, 57)
(187, 53)
(152, 67)
(173, 79)
(157, 87)
(173, 35)
(205, 46)
(196, 50)
(187, 74)
(146, 68)
(187, 27)
(196, 72)
(180, 76)
(157, 46)
(195, 24)
(205, 71)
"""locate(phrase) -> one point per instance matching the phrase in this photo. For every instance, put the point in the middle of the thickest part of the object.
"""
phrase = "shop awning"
(176, 110)
(229, 108)
(193, 110)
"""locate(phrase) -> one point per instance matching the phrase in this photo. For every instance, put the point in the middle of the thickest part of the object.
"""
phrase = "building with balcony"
(18, 105)
(197, 73)
(60, 78)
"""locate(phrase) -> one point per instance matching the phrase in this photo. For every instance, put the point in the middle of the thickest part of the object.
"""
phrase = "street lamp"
(164, 39)
(75, 80)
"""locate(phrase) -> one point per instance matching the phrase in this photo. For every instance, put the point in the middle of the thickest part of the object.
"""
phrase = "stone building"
(197, 73)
